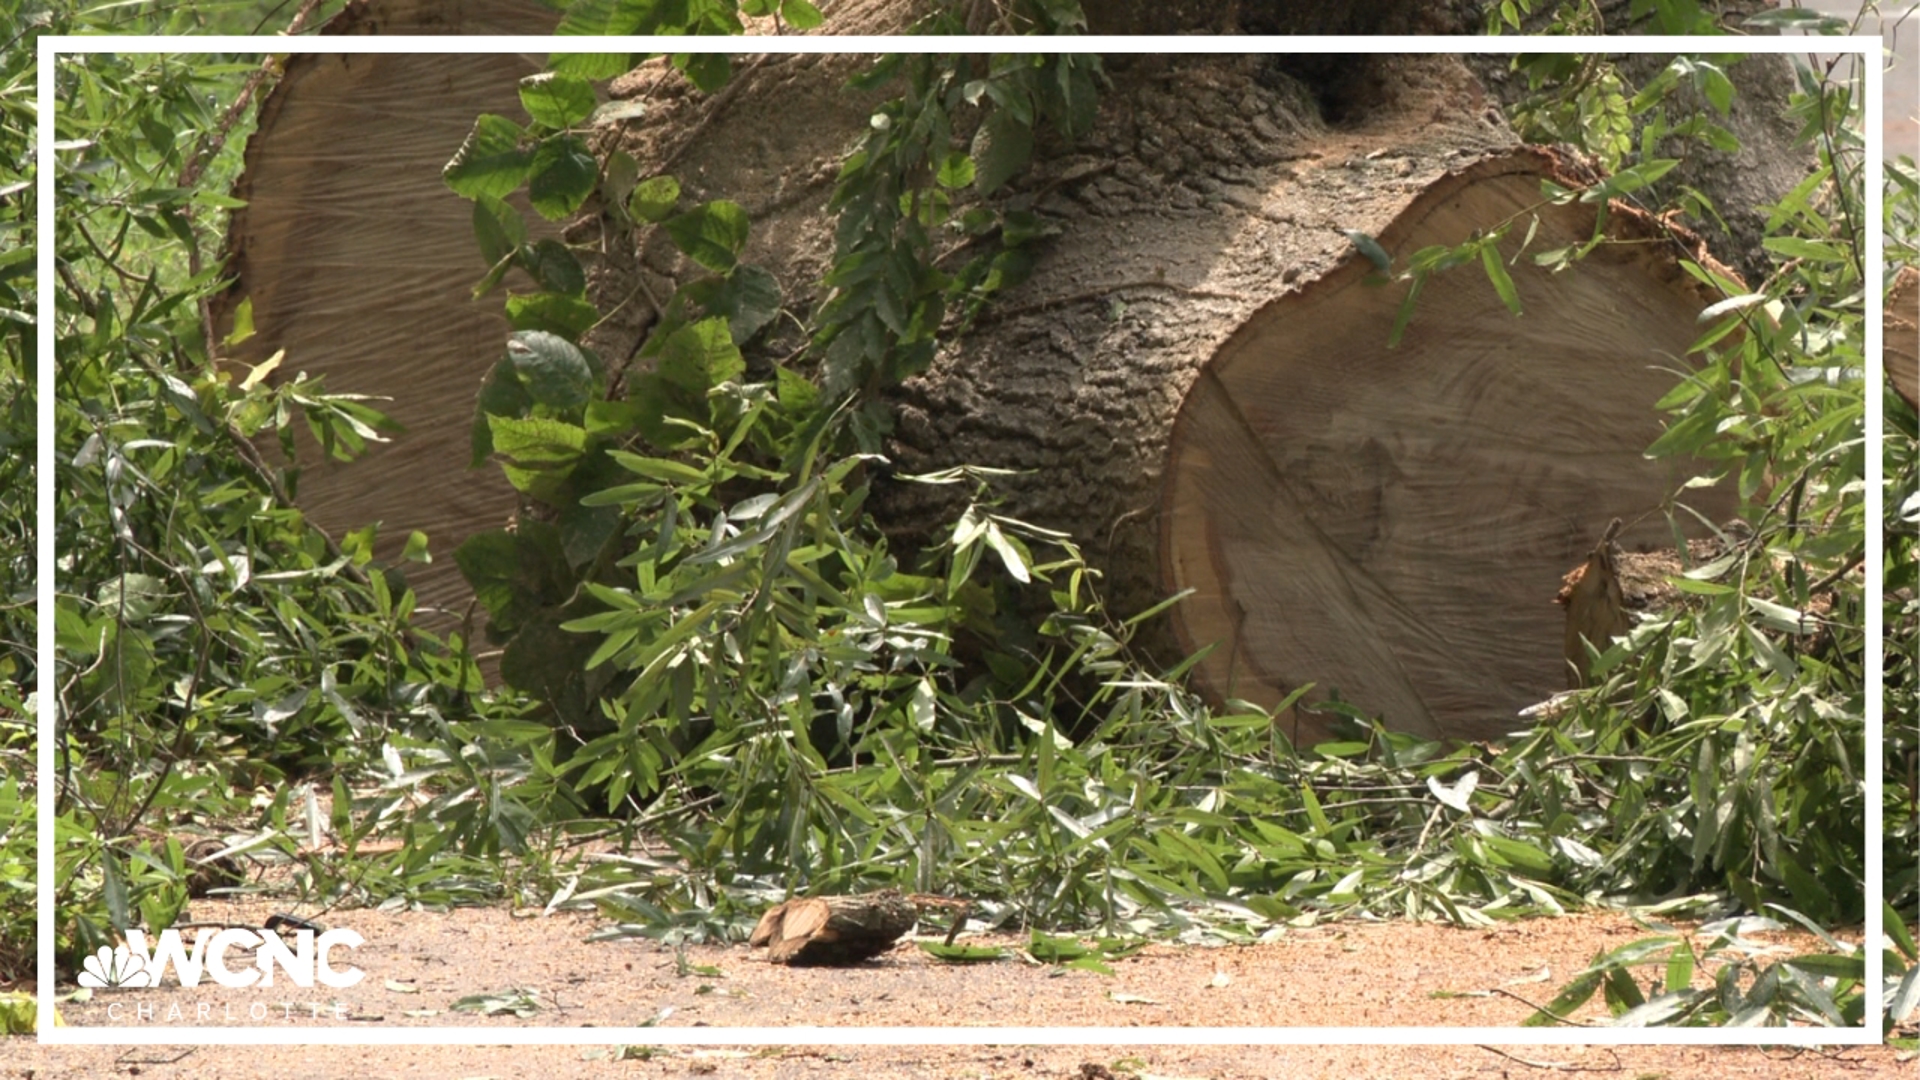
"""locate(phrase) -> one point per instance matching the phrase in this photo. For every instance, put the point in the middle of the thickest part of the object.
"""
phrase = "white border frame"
(1869, 48)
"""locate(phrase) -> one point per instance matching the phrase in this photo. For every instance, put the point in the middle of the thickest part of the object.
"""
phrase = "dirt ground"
(417, 965)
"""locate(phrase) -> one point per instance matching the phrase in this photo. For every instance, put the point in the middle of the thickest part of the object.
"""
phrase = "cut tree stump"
(1193, 381)
(834, 930)
(1382, 522)
(1901, 341)
(359, 261)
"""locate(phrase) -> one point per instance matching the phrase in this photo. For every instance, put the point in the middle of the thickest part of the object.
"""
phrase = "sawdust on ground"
(1367, 976)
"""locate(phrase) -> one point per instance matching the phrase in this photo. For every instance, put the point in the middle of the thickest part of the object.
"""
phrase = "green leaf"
(1371, 248)
(567, 316)
(1521, 855)
(554, 267)
(1629, 180)
(749, 298)
(555, 100)
(497, 227)
(534, 440)
(502, 394)
(1828, 965)
(698, 357)
(1404, 314)
(242, 320)
(961, 954)
(1001, 149)
(594, 67)
(1799, 247)
(562, 174)
(1049, 949)
(1804, 20)
(663, 469)
(492, 162)
(1497, 274)
(708, 71)
(1897, 928)
(796, 393)
(956, 171)
(800, 14)
(654, 199)
(711, 234)
(554, 370)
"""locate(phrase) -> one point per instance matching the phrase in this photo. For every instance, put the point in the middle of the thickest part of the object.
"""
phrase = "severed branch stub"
(834, 930)
(1603, 594)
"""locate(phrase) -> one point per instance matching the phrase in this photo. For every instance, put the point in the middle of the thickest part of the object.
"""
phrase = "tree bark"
(1203, 304)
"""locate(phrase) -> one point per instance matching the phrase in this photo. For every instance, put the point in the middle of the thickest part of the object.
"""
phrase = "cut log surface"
(1901, 344)
(1193, 382)
(1382, 522)
(360, 263)
(834, 930)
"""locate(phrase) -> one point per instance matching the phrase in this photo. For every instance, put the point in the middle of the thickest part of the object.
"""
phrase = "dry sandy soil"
(1351, 975)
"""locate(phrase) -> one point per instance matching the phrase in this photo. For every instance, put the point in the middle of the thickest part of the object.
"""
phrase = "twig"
(1542, 1009)
(1558, 1066)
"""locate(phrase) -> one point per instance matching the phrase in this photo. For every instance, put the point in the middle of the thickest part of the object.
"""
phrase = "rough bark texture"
(1211, 187)
(1218, 187)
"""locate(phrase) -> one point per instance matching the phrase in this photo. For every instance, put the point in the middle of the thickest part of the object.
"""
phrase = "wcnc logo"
(136, 965)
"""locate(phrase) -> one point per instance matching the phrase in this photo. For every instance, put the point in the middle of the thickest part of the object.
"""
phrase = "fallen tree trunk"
(1199, 380)
(1197, 375)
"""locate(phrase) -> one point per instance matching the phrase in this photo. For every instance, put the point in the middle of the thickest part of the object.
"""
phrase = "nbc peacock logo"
(114, 968)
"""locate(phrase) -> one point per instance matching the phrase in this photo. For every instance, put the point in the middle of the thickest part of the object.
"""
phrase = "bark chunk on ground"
(833, 930)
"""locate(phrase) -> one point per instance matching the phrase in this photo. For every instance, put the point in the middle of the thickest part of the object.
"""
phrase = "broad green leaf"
(554, 267)
(708, 71)
(800, 14)
(494, 161)
(654, 199)
(568, 317)
(555, 100)
(711, 234)
(533, 440)
(498, 228)
(699, 357)
(956, 171)
(554, 370)
(562, 173)
(1001, 150)
(749, 298)
(593, 67)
